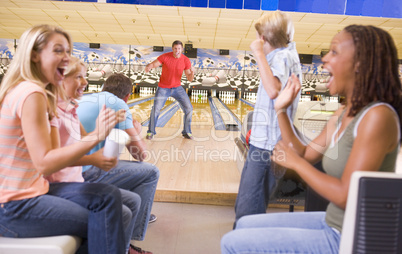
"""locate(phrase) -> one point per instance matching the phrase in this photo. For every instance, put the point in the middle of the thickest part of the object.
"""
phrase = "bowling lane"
(201, 125)
(195, 170)
(238, 107)
(142, 111)
(202, 115)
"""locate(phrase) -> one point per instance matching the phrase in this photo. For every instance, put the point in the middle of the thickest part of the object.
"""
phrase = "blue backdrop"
(371, 8)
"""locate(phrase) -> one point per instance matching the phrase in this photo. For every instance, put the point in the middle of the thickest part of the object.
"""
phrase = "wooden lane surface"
(239, 108)
(142, 111)
(202, 170)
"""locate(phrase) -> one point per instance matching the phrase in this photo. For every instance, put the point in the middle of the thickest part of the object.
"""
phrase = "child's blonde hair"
(276, 28)
(22, 67)
(74, 66)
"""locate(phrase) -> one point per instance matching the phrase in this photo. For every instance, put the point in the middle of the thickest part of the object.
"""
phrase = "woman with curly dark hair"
(363, 135)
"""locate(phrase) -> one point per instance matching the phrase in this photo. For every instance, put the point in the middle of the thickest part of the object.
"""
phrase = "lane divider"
(229, 119)
(132, 103)
(165, 115)
(218, 121)
(247, 102)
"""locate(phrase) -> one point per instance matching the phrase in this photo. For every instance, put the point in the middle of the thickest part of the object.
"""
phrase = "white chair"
(64, 244)
(373, 217)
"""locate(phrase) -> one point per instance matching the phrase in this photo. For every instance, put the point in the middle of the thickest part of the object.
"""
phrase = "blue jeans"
(90, 211)
(256, 183)
(137, 177)
(161, 95)
(131, 206)
(298, 232)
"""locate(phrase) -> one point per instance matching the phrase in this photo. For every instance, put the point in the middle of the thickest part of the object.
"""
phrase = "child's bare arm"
(271, 84)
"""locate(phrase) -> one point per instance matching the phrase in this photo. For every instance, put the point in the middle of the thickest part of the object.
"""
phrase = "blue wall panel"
(304, 5)
(128, 1)
(252, 4)
(234, 4)
(217, 3)
(149, 2)
(185, 3)
(336, 7)
(372, 8)
(287, 5)
(269, 5)
(392, 9)
(161, 2)
(354, 7)
(320, 6)
(199, 3)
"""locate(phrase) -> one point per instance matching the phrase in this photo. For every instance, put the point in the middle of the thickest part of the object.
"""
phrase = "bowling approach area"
(207, 169)
(199, 171)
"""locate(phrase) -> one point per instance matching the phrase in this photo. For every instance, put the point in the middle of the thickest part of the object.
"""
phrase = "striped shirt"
(18, 177)
(265, 132)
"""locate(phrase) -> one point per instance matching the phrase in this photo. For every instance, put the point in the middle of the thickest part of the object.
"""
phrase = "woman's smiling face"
(53, 59)
(339, 62)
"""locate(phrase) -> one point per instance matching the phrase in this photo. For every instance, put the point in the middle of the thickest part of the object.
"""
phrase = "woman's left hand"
(288, 94)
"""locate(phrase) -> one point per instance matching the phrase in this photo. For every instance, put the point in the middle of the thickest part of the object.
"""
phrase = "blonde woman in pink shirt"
(29, 205)
(67, 130)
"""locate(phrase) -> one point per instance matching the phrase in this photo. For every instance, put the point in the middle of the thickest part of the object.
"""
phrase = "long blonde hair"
(23, 69)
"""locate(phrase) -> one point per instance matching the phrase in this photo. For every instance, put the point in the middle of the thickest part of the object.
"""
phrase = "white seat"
(64, 244)
(373, 215)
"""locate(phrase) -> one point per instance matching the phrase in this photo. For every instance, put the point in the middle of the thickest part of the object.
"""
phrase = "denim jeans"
(161, 95)
(131, 206)
(90, 211)
(256, 183)
(298, 232)
(137, 177)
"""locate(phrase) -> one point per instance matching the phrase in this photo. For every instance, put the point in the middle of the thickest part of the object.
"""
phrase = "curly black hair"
(377, 74)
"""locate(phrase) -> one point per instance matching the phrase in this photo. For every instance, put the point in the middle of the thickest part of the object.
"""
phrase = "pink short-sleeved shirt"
(18, 177)
(69, 129)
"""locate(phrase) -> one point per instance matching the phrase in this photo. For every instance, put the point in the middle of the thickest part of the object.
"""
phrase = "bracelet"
(280, 111)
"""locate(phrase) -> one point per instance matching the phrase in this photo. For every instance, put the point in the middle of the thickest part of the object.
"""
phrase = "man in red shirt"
(173, 64)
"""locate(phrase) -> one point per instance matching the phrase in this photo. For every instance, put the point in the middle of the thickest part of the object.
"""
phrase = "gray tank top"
(337, 155)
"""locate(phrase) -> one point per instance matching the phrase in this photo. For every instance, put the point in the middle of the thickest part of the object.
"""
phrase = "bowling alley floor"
(189, 228)
(199, 171)
(198, 183)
